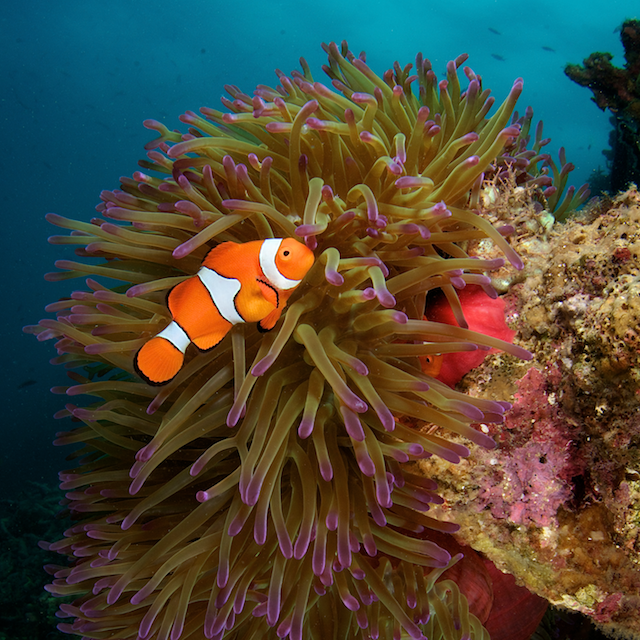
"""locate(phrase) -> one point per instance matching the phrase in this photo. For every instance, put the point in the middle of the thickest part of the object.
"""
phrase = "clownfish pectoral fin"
(268, 322)
(158, 361)
(269, 293)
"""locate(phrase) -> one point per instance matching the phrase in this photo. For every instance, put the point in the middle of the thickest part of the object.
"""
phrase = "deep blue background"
(77, 78)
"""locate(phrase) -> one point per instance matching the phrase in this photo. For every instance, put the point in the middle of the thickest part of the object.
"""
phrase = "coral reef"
(557, 504)
(619, 91)
(263, 491)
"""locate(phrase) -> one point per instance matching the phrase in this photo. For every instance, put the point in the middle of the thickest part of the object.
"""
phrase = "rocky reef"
(557, 503)
(617, 89)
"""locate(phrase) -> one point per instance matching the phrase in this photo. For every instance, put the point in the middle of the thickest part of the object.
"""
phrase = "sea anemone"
(264, 491)
(484, 314)
(524, 161)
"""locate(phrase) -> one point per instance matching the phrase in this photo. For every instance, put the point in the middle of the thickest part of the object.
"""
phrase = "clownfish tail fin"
(161, 358)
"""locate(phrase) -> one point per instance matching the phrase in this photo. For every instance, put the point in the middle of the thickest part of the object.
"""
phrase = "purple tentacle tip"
(262, 366)
(333, 277)
(305, 428)
(235, 414)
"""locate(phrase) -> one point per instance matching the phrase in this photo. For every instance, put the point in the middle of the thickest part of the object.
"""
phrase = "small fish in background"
(248, 282)
(545, 48)
(494, 31)
(497, 56)
(26, 383)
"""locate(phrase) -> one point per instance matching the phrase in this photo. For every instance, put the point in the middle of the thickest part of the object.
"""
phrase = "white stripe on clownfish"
(223, 292)
(176, 335)
(267, 258)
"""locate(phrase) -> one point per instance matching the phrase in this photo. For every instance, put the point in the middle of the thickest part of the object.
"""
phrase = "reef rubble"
(557, 502)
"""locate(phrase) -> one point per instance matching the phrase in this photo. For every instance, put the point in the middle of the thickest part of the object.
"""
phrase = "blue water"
(78, 77)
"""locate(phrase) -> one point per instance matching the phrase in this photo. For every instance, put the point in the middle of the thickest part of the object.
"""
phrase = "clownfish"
(432, 364)
(248, 282)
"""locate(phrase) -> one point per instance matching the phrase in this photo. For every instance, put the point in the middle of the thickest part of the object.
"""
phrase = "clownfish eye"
(285, 253)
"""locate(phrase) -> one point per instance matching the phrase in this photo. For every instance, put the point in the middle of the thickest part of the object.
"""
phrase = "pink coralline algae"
(608, 607)
(528, 491)
(535, 478)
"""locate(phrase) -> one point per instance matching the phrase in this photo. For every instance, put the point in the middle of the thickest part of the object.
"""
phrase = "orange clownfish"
(248, 282)
(431, 365)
